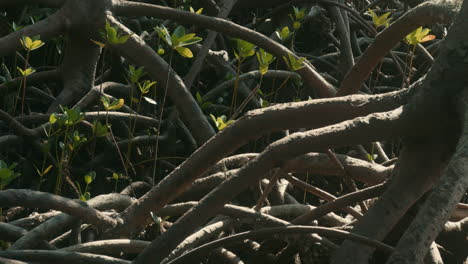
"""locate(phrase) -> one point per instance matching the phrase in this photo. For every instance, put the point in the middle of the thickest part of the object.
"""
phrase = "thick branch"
(312, 114)
(268, 232)
(35, 199)
(363, 129)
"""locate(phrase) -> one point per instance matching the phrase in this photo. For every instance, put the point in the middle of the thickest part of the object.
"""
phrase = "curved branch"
(363, 129)
(269, 232)
(35, 199)
(437, 209)
(320, 163)
(63, 222)
(60, 256)
(436, 11)
(35, 78)
(110, 247)
(311, 114)
(17, 126)
(309, 75)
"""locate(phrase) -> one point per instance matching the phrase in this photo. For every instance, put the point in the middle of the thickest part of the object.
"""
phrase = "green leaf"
(379, 21)
(31, 44)
(163, 34)
(245, 49)
(89, 177)
(145, 87)
(117, 104)
(263, 68)
(199, 98)
(184, 52)
(264, 59)
(73, 116)
(179, 32)
(135, 73)
(298, 13)
(419, 35)
(221, 122)
(26, 72)
(7, 174)
(52, 118)
(122, 39)
(114, 105)
(293, 63)
(296, 25)
(206, 105)
(186, 37)
(190, 42)
(199, 11)
(111, 33)
(283, 34)
(115, 176)
(100, 130)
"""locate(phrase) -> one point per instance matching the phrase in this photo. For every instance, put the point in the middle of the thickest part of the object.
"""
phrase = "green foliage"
(135, 74)
(283, 34)
(111, 36)
(77, 139)
(111, 105)
(7, 173)
(145, 87)
(199, 11)
(26, 72)
(69, 118)
(99, 129)
(31, 44)
(88, 178)
(178, 40)
(380, 21)
(293, 63)
(264, 60)
(418, 36)
(202, 102)
(72, 116)
(296, 18)
(221, 122)
(245, 49)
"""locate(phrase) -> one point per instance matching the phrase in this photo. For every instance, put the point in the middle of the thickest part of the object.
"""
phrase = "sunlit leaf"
(26, 72)
(283, 34)
(89, 177)
(52, 118)
(293, 63)
(380, 21)
(47, 170)
(184, 52)
(31, 44)
(149, 100)
(418, 36)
